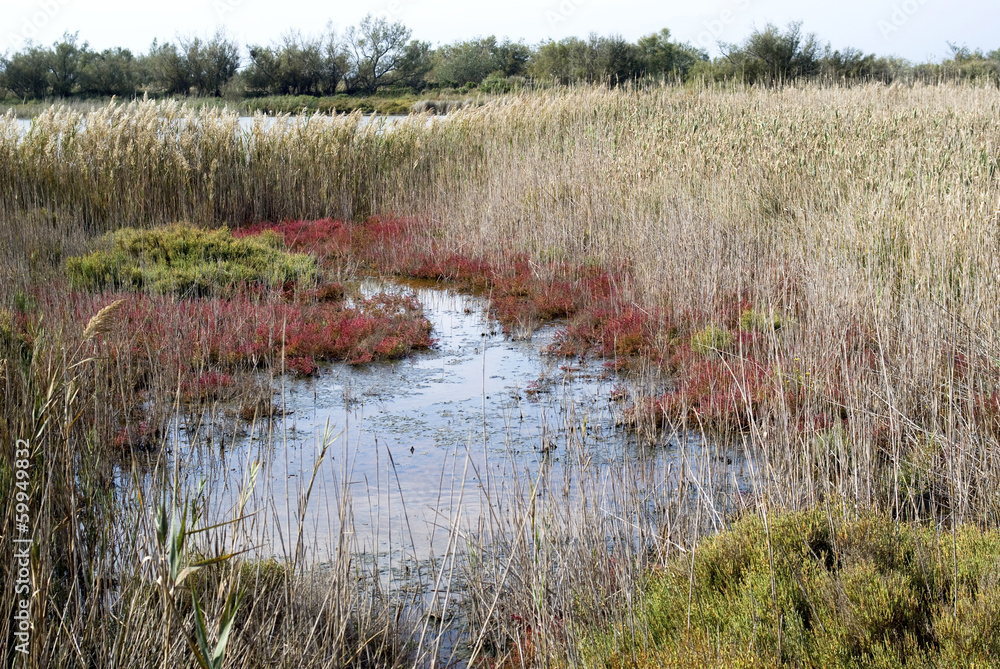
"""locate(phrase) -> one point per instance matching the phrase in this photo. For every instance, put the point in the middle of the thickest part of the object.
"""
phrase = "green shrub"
(711, 340)
(845, 593)
(181, 259)
(752, 320)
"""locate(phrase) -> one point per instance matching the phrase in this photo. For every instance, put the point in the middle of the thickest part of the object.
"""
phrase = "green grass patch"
(830, 593)
(181, 259)
(752, 320)
(711, 340)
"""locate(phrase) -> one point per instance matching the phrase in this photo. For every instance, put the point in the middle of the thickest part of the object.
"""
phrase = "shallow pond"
(398, 457)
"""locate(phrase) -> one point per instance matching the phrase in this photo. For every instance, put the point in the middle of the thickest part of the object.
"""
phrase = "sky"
(918, 30)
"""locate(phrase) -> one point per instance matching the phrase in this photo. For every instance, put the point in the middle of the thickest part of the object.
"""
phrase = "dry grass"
(866, 220)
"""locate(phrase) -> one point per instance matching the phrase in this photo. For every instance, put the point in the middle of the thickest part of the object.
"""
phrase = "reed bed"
(864, 220)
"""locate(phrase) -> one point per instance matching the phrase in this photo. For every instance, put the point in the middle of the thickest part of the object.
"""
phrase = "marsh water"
(395, 458)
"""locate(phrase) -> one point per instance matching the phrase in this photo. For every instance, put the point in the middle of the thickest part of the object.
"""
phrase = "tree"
(211, 63)
(773, 57)
(165, 69)
(294, 67)
(467, 62)
(971, 64)
(511, 58)
(553, 61)
(662, 58)
(64, 65)
(263, 74)
(415, 64)
(110, 72)
(336, 62)
(377, 48)
(853, 65)
(298, 66)
(610, 59)
(26, 73)
(617, 60)
(470, 62)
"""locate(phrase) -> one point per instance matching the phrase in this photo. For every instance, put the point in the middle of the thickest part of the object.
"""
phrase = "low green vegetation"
(711, 340)
(813, 589)
(181, 259)
(752, 320)
(337, 104)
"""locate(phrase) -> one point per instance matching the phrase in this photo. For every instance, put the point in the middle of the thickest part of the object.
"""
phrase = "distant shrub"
(497, 83)
(438, 106)
(181, 259)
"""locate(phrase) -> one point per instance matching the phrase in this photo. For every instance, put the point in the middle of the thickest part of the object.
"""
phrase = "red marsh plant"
(211, 350)
(220, 335)
(725, 362)
(200, 312)
(523, 293)
(710, 384)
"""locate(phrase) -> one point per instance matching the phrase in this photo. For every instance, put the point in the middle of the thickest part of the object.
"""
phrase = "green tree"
(376, 49)
(663, 58)
(65, 61)
(210, 63)
(26, 73)
(165, 70)
(852, 65)
(296, 66)
(512, 58)
(972, 65)
(608, 59)
(109, 72)
(470, 62)
(617, 59)
(771, 56)
(414, 66)
(336, 61)
(554, 61)
(465, 62)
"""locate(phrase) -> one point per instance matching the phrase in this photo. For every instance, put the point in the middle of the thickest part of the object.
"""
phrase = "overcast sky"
(915, 29)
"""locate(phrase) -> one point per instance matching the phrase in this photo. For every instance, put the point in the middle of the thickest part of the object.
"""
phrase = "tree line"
(378, 55)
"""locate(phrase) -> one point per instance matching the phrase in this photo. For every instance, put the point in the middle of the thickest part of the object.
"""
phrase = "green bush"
(752, 320)
(831, 592)
(711, 340)
(181, 259)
